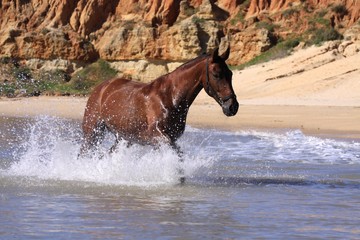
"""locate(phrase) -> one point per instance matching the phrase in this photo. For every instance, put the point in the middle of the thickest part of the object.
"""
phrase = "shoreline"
(315, 90)
(322, 121)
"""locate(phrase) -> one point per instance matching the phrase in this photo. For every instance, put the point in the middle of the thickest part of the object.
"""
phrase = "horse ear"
(215, 55)
(226, 54)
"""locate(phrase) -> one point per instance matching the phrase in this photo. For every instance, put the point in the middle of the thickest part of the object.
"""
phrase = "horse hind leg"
(93, 137)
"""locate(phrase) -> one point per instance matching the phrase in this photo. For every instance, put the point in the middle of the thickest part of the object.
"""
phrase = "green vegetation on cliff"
(21, 81)
(285, 30)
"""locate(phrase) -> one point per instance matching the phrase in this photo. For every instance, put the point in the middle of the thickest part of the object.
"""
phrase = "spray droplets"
(51, 149)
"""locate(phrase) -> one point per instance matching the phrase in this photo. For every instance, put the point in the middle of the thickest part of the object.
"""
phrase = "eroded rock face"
(173, 30)
(274, 6)
(247, 45)
(37, 29)
(143, 70)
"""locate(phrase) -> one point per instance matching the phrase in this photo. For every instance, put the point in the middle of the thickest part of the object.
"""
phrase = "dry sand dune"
(314, 76)
(320, 79)
(316, 90)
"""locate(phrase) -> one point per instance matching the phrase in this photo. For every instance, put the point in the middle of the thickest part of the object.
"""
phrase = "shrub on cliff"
(280, 50)
(86, 79)
(340, 9)
(24, 82)
(321, 35)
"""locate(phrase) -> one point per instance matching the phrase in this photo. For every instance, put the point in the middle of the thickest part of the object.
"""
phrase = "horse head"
(218, 82)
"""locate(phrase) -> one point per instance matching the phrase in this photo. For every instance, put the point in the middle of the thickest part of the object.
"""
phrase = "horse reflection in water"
(155, 113)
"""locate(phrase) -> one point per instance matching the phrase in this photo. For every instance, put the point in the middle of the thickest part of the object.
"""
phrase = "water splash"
(52, 147)
(289, 147)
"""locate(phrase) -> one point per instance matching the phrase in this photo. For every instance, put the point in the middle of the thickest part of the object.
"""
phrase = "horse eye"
(217, 76)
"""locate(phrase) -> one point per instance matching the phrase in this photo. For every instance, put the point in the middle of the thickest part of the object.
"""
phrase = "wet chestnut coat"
(156, 112)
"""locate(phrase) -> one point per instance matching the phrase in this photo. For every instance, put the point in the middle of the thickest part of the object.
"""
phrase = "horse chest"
(174, 123)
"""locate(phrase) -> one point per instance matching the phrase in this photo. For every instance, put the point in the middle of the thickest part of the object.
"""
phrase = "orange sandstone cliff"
(170, 30)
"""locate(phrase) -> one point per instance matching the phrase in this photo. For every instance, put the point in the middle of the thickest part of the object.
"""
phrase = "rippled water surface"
(246, 184)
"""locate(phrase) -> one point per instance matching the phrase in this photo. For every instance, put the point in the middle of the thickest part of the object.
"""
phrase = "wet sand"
(340, 121)
(315, 90)
(343, 122)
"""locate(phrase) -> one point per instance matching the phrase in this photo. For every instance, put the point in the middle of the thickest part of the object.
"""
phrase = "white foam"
(51, 152)
(294, 146)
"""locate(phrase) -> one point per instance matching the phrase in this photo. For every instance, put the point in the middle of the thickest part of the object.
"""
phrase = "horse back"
(112, 87)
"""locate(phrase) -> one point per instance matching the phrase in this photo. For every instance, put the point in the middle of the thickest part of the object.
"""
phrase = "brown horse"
(156, 113)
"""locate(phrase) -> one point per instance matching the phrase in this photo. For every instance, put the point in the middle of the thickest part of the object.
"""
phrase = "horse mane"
(184, 66)
(189, 63)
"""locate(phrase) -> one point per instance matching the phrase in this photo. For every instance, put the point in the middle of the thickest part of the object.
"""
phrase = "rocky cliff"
(82, 31)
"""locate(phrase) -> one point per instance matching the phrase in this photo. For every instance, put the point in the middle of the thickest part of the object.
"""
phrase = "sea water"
(245, 184)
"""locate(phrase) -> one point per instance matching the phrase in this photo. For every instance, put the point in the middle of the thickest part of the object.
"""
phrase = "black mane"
(186, 65)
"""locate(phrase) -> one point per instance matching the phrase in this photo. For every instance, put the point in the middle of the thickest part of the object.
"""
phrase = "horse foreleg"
(181, 160)
(159, 137)
(177, 149)
(114, 146)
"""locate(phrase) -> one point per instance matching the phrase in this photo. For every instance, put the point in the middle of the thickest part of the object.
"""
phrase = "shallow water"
(246, 184)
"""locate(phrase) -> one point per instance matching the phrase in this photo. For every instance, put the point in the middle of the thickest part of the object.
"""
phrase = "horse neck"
(187, 82)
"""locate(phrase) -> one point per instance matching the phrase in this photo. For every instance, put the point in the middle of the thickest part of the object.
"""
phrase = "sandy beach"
(311, 90)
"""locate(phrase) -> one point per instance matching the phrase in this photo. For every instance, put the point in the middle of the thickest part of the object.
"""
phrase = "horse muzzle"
(230, 107)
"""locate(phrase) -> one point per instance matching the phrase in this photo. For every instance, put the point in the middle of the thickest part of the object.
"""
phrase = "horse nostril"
(234, 108)
(230, 107)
